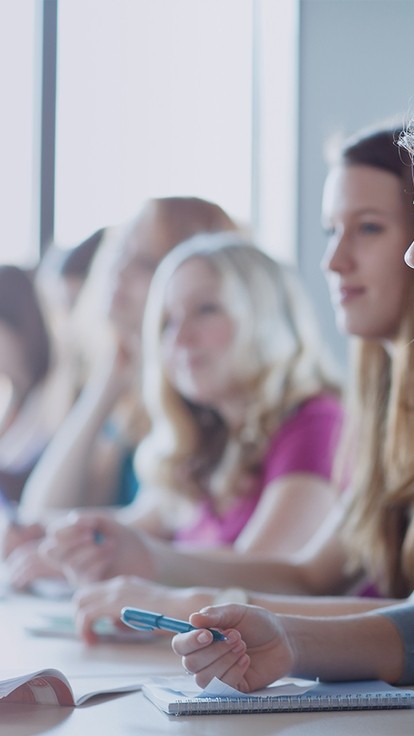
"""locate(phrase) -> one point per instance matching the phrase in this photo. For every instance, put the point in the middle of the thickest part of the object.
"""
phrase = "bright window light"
(154, 98)
(17, 53)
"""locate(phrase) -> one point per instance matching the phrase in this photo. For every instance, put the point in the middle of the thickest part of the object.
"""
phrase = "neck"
(233, 412)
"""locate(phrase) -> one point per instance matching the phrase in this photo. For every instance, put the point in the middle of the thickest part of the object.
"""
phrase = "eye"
(370, 228)
(208, 308)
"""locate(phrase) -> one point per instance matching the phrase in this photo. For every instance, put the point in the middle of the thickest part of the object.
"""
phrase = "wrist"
(189, 600)
(300, 643)
(230, 595)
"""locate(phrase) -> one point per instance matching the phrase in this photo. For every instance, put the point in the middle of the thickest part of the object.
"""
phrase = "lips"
(346, 294)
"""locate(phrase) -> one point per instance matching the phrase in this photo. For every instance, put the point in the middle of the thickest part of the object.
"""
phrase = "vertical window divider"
(45, 122)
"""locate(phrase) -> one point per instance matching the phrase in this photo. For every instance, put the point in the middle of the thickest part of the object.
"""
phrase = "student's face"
(368, 226)
(144, 246)
(197, 335)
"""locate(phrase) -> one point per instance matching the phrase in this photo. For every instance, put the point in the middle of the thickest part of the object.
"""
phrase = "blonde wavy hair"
(280, 360)
(379, 526)
(177, 218)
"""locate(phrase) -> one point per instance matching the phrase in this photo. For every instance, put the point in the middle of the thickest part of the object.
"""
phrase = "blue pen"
(136, 618)
(98, 536)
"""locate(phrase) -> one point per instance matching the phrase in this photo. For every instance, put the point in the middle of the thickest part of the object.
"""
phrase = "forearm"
(59, 478)
(318, 605)
(201, 567)
(345, 648)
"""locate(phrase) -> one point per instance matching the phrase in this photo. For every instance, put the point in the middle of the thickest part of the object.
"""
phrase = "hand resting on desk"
(106, 599)
(90, 546)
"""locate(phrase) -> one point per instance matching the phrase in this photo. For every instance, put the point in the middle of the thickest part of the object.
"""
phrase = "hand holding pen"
(142, 620)
(257, 649)
(93, 546)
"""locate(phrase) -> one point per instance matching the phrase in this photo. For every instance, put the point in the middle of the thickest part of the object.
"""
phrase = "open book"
(181, 696)
(51, 687)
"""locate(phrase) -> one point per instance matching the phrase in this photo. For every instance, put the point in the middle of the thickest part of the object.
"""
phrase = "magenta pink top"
(305, 443)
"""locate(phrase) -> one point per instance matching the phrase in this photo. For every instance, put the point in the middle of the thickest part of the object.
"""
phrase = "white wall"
(356, 68)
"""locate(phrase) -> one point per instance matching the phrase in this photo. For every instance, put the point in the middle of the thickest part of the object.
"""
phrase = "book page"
(51, 687)
(85, 688)
(168, 689)
(44, 687)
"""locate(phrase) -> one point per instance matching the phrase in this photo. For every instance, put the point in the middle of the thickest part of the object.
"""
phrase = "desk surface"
(132, 714)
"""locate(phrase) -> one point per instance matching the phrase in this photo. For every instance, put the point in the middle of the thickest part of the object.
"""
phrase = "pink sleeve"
(306, 443)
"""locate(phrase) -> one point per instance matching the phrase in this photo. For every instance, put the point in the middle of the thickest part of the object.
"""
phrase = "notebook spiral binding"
(288, 703)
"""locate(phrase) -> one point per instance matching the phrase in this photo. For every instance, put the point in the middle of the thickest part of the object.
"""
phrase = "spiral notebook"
(181, 697)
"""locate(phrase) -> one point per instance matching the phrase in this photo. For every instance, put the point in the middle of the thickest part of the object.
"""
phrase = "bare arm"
(262, 647)
(64, 477)
(318, 569)
(290, 511)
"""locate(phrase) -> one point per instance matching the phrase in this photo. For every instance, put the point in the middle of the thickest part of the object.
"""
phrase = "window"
(166, 97)
(17, 133)
(153, 98)
(156, 101)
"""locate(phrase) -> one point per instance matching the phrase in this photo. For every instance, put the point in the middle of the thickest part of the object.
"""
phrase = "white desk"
(132, 714)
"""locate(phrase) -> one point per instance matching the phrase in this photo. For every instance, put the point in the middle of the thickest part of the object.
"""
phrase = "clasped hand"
(88, 547)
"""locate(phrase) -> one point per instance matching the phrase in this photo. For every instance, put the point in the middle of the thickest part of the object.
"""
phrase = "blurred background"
(108, 102)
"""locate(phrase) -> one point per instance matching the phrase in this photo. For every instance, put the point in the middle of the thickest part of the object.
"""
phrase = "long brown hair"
(379, 528)
(20, 309)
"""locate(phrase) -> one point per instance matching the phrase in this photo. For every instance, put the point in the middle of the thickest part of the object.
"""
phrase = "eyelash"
(207, 308)
(366, 228)
(370, 228)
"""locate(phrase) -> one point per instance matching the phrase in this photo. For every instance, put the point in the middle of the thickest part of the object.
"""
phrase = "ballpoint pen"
(148, 620)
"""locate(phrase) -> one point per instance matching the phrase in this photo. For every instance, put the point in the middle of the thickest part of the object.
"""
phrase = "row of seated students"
(39, 377)
(244, 414)
(255, 445)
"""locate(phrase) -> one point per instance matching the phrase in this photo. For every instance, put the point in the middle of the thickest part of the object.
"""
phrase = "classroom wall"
(356, 67)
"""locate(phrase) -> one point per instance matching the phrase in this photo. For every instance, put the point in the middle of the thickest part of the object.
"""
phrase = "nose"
(409, 256)
(337, 257)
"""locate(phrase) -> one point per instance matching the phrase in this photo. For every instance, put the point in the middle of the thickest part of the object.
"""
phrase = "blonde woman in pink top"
(245, 410)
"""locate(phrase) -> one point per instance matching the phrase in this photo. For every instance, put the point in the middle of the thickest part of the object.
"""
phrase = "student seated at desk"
(262, 646)
(90, 460)
(245, 411)
(29, 418)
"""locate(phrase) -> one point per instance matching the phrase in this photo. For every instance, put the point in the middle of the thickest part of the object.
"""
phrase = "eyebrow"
(362, 211)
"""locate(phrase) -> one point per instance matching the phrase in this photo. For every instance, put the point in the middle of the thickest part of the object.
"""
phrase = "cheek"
(220, 336)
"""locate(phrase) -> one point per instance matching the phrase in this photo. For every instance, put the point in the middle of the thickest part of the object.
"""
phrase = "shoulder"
(307, 440)
(320, 405)
(322, 411)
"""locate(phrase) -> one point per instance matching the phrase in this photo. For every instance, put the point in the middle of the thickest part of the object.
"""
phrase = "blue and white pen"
(136, 618)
